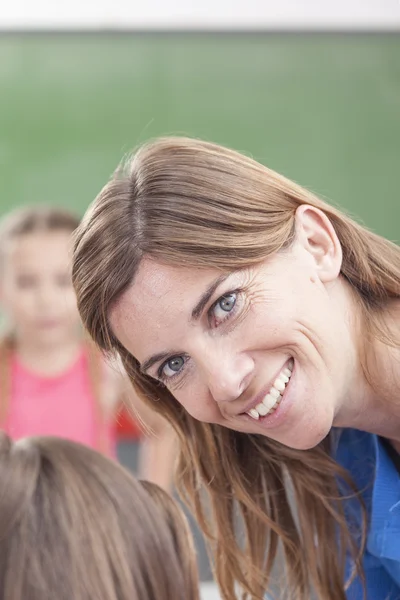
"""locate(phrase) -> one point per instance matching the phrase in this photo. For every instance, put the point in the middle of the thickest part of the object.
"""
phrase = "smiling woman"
(263, 323)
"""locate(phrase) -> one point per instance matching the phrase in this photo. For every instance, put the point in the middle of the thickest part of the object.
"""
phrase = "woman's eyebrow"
(145, 366)
(198, 309)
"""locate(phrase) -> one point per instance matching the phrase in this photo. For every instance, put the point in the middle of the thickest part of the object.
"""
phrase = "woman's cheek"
(199, 406)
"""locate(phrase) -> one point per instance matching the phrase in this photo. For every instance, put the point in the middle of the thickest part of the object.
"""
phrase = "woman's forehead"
(159, 297)
(159, 281)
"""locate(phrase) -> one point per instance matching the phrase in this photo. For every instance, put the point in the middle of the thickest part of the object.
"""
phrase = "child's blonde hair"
(35, 219)
(75, 525)
(179, 527)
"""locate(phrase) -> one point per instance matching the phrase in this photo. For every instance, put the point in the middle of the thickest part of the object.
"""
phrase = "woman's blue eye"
(227, 302)
(172, 366)
(175, 364)
(224, 305)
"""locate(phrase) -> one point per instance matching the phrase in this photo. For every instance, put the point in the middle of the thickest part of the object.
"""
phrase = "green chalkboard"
(322, 109)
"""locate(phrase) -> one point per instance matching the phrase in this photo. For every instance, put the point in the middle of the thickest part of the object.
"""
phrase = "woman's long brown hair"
(75, 525)
(187, 202)
(15, 225)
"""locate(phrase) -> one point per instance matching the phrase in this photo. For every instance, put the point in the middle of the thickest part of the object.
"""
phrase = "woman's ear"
(316, 234)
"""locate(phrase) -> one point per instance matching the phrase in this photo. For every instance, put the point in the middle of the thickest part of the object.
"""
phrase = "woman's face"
(266, 350)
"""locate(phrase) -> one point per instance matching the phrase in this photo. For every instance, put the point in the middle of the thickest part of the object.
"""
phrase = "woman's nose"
(227, 373)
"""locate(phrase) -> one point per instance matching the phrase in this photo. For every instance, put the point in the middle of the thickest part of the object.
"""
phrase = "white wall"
(201, 14)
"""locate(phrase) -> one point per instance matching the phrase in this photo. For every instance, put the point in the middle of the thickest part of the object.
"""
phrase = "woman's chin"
(307, 439)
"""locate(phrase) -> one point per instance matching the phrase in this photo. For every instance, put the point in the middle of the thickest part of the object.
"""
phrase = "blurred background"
(311, 89)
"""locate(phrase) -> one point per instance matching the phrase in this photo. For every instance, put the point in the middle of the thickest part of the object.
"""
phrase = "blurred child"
(76, 525)
(52, 380)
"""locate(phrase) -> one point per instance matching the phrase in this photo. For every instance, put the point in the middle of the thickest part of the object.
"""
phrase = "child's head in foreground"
(75, 525)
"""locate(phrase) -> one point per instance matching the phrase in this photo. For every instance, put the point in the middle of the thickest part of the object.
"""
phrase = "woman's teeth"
(274, 396)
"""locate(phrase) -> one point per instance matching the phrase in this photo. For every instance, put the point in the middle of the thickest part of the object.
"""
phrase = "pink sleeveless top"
(62, 406)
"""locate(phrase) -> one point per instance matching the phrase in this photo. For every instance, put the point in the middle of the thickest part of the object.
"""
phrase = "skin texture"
(293, 305)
